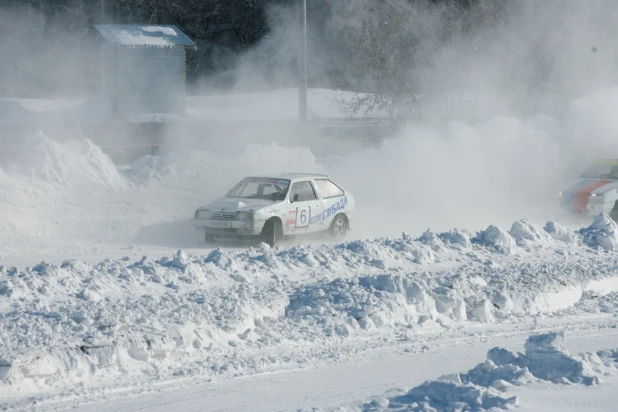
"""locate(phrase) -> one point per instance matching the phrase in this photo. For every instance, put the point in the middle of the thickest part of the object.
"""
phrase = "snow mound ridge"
(343, 306)
(482, 387)
(68, 163)
(456, 238)
(562, 233)
(602, 234)
(204, 313)
(497, 238)
(525, 233)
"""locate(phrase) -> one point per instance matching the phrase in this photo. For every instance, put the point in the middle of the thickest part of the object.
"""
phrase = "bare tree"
(391, 44)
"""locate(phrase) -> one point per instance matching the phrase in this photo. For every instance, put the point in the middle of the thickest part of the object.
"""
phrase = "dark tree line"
(222, 29)
(375, 46)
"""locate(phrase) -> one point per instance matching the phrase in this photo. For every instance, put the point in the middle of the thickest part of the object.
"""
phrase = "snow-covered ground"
(76, 331)
(108, 298)
(79, 332)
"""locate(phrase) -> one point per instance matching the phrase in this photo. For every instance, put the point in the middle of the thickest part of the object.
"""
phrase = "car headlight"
(202, 214)
(596, 194)
(244, 215)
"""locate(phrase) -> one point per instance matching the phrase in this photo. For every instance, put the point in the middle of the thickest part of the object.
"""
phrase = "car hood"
(233, 203)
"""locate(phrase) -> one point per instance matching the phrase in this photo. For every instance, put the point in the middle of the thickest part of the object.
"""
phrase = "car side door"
(333, 199)
(304, 205)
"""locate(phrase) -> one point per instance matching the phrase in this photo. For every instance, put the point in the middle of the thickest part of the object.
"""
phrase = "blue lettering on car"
(340, 205)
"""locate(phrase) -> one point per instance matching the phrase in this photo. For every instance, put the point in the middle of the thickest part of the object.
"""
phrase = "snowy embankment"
(486, 387)
(66, 199)
(228, 312)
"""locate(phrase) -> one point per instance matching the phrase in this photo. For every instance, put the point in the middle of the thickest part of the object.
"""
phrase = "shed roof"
(144, 35)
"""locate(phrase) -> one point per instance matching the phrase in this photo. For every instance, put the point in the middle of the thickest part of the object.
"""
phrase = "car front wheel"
(272, 232)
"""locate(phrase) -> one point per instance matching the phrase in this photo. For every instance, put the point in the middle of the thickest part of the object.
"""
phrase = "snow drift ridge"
(121, 316)
(482, 388)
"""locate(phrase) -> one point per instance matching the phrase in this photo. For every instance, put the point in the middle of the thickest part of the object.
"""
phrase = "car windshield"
(602, 170)
(260, 188)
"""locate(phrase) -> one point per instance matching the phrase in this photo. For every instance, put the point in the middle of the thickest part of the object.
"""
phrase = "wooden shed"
(143, 68)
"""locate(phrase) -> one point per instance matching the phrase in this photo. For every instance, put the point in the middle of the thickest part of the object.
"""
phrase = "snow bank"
(342, 306)
(209, 314)
(68, 163)
(561, 233)
(602, 234)
(526, 233)
(456, 238)
(70, 195)
(483, 387)
(497, 238)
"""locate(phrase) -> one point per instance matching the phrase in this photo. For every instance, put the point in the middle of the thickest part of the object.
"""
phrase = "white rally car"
(272, 207)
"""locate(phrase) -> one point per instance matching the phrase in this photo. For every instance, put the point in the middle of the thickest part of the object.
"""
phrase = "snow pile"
(432, 240)
(525, 233)
(69, 163)
(497, 238)
(418, 252)
(437, 396)
(603, 233)
(482, 388)
(189, 314)
(456, 238)
(120, 317)
(562, 233)
(342, 306)
(69, 195)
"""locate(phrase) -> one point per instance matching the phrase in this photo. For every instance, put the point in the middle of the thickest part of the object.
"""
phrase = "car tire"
(210, 239)
(339, 227)
(272, 232)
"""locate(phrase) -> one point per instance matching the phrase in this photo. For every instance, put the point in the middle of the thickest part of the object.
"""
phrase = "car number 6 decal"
(303, 215)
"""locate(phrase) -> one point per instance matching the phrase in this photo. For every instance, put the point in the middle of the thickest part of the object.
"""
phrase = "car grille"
(223, 215)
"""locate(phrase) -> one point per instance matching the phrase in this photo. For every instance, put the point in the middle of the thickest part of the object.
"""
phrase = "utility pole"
(103, 17)
(42, 15)
(302, 63)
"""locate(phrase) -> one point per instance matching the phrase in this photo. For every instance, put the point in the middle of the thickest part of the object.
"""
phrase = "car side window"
(304, 190)
(328, 189)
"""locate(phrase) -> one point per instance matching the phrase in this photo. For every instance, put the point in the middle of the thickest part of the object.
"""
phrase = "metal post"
(42, 15)
(302, 62)
(103, 14)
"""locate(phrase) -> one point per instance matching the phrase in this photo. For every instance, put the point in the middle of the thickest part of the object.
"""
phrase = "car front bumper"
(231, 228)
(591, 207)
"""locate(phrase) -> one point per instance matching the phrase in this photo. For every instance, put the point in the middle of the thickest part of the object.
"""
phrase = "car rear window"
(328, 189)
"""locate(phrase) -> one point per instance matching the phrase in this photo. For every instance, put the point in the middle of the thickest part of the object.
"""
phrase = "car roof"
(293, 176)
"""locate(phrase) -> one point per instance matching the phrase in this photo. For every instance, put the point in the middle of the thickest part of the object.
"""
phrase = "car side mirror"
(295, 198)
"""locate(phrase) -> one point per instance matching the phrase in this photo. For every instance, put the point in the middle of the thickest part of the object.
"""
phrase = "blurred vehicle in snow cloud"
(270, 208)
(595, 191)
